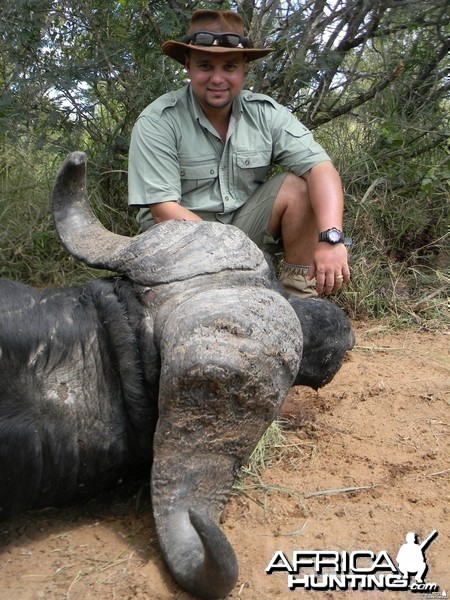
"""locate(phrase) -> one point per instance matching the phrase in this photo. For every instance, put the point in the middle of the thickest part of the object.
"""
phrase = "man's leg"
(278, 216)
(293, 218)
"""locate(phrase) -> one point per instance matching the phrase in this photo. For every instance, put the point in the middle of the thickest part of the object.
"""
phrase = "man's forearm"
(163, 211)
(326, 195)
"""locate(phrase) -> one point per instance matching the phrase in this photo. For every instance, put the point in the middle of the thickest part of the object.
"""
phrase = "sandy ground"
(363, 462)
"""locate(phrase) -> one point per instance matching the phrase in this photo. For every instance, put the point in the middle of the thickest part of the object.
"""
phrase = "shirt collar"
(198, 113)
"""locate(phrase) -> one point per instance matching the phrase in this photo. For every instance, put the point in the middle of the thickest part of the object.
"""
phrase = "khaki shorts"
(253, 217)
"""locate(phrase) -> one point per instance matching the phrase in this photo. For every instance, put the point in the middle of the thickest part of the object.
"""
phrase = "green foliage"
(371, 78)
(400, 252)
(29, 247)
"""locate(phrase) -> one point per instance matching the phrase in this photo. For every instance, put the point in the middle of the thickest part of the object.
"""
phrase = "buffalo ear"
(327, 337)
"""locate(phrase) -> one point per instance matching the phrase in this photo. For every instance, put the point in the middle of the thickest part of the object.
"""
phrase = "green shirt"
(177, 155)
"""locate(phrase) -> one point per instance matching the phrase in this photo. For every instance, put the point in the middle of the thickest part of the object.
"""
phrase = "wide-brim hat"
(216, 22)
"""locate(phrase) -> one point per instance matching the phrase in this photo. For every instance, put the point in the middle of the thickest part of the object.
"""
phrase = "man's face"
(216, 79)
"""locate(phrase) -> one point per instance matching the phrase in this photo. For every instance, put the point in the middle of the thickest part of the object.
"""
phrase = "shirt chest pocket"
(197, 175)
(250, 170)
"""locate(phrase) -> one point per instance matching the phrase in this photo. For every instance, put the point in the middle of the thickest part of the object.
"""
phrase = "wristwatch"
(334, 236)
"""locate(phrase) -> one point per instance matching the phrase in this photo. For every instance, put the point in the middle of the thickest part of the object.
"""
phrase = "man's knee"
(293, 189)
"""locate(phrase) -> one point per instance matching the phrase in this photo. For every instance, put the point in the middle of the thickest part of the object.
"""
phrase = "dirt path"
(379, 431)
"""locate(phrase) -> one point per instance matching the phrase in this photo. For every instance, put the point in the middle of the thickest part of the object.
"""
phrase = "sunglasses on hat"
(209, 38)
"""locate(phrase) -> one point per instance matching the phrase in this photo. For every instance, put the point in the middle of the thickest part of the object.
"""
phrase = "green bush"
(398, 220)
(30, 250)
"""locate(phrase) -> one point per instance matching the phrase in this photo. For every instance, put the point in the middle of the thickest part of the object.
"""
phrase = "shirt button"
(227, 198)
(247, 162)
(212, 171)
(182, 172)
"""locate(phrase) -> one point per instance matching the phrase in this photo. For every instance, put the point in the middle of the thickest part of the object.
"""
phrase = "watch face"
(334, 235)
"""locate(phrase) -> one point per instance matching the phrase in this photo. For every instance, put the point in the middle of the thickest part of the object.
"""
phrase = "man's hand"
(163, 211)
(329, 267)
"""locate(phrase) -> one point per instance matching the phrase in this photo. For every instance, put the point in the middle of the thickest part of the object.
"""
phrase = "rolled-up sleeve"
(153, 166)
(294, 146)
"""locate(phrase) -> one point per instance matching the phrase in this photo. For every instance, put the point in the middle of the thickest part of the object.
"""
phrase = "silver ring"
(339, 277)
